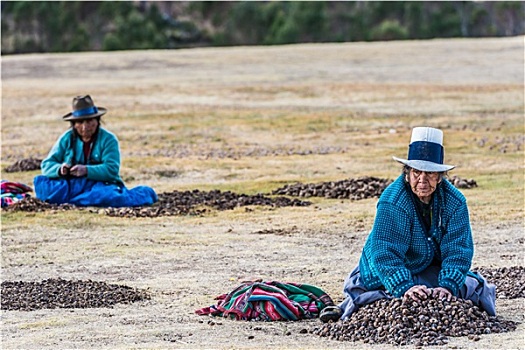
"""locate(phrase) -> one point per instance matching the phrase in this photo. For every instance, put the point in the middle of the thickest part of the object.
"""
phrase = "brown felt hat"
(84, 108)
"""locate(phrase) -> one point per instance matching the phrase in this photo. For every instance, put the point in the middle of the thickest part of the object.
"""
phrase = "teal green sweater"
(399, 246)
(104, 162)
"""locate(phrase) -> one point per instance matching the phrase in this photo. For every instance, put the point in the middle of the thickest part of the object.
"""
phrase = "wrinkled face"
(86, 128)
(423, 183)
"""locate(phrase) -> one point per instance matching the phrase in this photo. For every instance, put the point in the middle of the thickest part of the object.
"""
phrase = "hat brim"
(424, 165)
(71, 117)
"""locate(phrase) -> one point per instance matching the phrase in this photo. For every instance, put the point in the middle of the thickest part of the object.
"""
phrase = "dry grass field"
(251, 119)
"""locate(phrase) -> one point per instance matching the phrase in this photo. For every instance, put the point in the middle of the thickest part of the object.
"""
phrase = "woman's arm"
(457, 250)
(57, 157)
(389, 243)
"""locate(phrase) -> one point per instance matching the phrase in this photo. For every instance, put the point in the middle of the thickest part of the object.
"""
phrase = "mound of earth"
(355, 189)
(59, 293)
(172, 203)
(360, 188)
(32, 204)
(191, 202)
(462, 183)
(424, 323)
(27, 164)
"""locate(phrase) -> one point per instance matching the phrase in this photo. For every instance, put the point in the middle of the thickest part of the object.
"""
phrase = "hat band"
(85, 111)
(429, 151)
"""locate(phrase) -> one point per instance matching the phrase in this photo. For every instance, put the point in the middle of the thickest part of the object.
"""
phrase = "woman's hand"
(441, 293)
(417, 293)
(79, 170)
(64, 169)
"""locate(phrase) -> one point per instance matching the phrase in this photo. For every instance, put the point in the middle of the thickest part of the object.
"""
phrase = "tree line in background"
(67, 26)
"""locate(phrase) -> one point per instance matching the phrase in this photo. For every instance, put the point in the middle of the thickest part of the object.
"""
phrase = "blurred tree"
(443, 21)
(250, 23)
(414, 19)
(510, 16)
(246, 23)
(479, 20)
(311, 20)
(464, 8)
(361, 22)
(135, 30)
(283, 27)
(389, 30)
(42, 26)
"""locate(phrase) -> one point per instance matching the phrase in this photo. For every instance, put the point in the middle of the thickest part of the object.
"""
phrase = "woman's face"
(86, 128)
(423, 183)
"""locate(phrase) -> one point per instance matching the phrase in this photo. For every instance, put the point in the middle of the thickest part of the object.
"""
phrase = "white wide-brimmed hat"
(426, 152)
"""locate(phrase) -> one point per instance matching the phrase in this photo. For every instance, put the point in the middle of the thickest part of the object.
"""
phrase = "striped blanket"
(270, 301)
(13, 192)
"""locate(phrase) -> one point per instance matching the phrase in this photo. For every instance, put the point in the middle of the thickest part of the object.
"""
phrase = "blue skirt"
(476, 288)
(84, 192)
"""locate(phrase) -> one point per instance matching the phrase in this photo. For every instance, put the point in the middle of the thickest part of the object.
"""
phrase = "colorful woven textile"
(13, 192)
(270, 301)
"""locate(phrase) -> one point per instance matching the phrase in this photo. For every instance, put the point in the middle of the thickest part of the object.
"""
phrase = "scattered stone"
(355, 189)
(59, 293)
(509, 281)
(27, 164)
(424, 323)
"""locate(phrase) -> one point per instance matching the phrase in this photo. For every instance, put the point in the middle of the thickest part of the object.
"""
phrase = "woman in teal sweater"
(421, 242)
(67, 156)
(83, 166)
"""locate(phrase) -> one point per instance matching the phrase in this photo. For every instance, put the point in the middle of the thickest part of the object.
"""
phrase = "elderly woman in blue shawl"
(83, 166)
(421, 242)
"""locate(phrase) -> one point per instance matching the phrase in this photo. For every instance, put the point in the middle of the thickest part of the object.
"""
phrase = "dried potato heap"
(59, 293)
(171, 203)
(26, 164)
(509, 281)
(360, 188)
(423, 323)
(192, 202)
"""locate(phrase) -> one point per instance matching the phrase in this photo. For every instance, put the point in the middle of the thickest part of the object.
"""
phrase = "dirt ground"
(250, 119)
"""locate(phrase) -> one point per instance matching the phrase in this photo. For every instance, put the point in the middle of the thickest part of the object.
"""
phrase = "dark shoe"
(331, 313)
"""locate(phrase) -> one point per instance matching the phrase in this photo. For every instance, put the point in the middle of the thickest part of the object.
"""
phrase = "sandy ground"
(185, 262)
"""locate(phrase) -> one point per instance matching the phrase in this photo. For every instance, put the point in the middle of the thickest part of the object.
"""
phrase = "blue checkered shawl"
(399, 245)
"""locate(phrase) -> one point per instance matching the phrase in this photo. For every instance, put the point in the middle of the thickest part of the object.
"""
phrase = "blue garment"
(400, 247)
(84, 192)
(475, 288)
